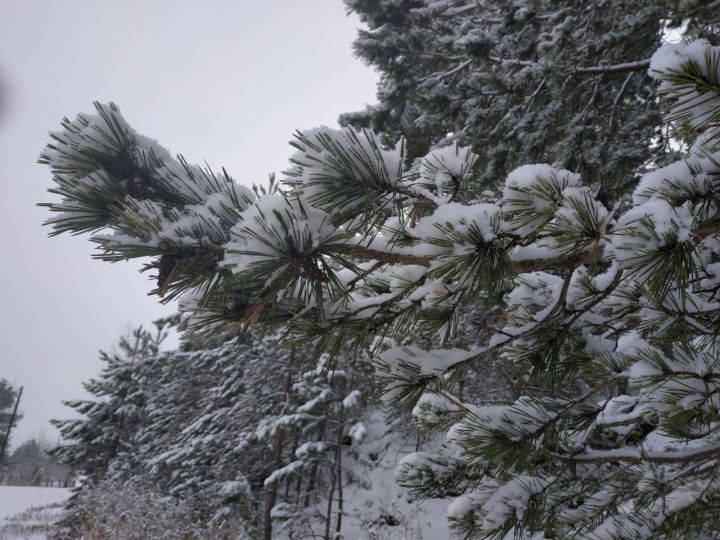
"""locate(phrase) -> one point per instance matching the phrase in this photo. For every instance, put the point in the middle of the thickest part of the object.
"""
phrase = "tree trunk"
(328, 513)
(277, 456)
(314, 470)
(336, 480)
(338, 468)
(288, 481)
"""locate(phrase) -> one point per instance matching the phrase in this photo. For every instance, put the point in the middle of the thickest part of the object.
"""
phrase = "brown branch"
(709, 228)
(353, 282)
(616, 101)
(459, 404)
(640, 65)
(512, 61)
(449, 73)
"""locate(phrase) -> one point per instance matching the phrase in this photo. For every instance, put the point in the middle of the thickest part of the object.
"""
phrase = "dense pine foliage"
(445, 258)
(518, 82)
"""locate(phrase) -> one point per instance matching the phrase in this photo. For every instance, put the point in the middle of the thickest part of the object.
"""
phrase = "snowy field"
(25, 512)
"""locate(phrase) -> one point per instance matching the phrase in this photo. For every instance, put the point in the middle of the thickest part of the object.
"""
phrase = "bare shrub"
(112, 511)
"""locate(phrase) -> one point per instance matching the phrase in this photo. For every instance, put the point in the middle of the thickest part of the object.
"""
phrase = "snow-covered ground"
(26, 512)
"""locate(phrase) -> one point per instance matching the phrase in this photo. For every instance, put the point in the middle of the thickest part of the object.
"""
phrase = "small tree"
(99, 443)
(9, 416)
(610, 313)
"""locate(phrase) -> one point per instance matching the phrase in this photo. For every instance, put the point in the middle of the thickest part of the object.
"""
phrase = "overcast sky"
(222, 81)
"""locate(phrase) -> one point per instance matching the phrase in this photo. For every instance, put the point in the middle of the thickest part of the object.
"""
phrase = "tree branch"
(571, 260)
(382, 256)
(449, 73)
(640, 65)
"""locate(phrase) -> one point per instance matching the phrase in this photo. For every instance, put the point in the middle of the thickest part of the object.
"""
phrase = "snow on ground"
(26, 512)
(385, 510)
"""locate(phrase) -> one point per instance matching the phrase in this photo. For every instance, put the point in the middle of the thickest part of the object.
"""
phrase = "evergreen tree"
(8, 416)
(324, 419)
(249, 435)
(202, 411)
(610, 313)
(101, 441)
(522, 81)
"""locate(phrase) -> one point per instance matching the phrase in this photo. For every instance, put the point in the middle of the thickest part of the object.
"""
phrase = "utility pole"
(10, 425)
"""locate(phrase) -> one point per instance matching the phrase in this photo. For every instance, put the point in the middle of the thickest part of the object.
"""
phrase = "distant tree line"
(31, 465)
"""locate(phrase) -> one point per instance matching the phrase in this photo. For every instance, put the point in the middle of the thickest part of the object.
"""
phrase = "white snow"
(404, 359)
(695, 104)
(25, 512)
(696, 174)
(483, 217)
(273, 217)
(443, 169)
(16, 499)
(352, 399)
(530, 191)
(650, 227)
(316, 163)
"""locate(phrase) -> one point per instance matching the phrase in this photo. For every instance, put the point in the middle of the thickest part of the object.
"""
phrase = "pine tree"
(199, 440)
(610, 313)
(100, 442)
(323, 412)
(523, 81)
(204, 421)
(8, 416)
(518, 81)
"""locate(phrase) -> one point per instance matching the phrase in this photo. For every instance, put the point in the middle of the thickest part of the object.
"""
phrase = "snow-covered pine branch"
(610, 312)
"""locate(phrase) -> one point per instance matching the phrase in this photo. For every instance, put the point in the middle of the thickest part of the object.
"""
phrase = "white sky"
(227, 81)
